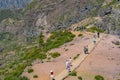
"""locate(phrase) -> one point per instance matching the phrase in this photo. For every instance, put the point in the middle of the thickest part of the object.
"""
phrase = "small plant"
(54, 55)
(99, 77)
(35, 76)
(76, 56)
(79, 77)
(30, 70)
(23, 78)
(94, 29)
(80, 35)
(74, 73)
(66, 49)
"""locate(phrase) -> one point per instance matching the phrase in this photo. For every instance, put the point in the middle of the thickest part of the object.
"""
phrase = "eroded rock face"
(41, 21)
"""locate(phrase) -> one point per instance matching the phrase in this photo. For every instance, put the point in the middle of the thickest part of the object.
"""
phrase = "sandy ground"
(70, 49)
(104, 60)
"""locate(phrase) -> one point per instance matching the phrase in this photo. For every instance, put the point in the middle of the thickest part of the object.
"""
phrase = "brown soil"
(104, 60)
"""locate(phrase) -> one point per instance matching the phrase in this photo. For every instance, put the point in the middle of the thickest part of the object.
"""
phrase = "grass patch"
(54, 55)
(73, 73)
(35, 76)
(23, 78)
(76, 57)
(79, 78)
(57, 39)
(30, 70)
(80, 35)
(94, 29)
(99, 77)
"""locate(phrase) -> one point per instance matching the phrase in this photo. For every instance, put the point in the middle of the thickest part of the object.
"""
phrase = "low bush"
(23, 78)
(30, 70)
(54, 55)
(94, 29)
(11, 77)
(35, 76)
(57, 39)
(79, 77)
(80, 35)
(76, 57)
(99, 77)
(73, 73)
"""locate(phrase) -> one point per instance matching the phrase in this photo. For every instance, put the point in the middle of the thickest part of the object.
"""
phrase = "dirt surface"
(104, 60)
(70, 49)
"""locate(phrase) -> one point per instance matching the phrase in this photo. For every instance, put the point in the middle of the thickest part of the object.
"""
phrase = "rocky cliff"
(49, 15)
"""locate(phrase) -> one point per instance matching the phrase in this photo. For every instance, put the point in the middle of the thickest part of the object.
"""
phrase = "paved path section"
(76, 63)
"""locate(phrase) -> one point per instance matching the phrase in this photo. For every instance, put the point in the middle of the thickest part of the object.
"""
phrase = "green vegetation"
(35, 76)
(24, 78)
(57, 39)
(54, 55)
(100, 1)
(76, 57)
(10, 77)
(94, 29)
(110, 4)
(31, 5)
(30, 70)
(80, 35)
(79, 77)
(73, 73)
(99, 77)
(41, 41)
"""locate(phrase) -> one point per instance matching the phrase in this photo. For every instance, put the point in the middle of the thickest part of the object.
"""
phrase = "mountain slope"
(8, 4)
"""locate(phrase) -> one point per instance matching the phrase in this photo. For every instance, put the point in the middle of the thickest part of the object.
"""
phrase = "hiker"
(98, 34)
(94, 39)
(70, 61)
(68, 65)
(86, 49)
(52, 75)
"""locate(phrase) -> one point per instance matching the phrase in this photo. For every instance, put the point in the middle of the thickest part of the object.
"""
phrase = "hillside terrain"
(12, 4)
(29, 29)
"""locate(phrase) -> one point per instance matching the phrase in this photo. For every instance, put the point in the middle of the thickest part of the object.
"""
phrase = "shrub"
(76, 56)
(94, 29)
(30, 70)
(99, 77)
(80, 35)
(23, 78)
(79, 77)
(57, 39)
(35, 76)
(54, 55)
(11, 77)
(74, 73)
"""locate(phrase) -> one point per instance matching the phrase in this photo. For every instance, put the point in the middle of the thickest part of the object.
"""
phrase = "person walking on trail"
(86, 49)
(94, 39)
(68, 66)
(52, 75)
(70, 61)
(98, 34)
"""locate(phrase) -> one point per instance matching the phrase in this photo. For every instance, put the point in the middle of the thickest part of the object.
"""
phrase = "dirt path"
(70, 49)
(104, 60)
(78, 61)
